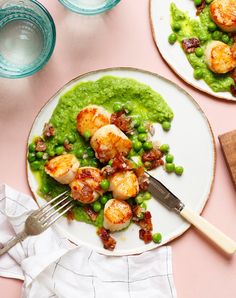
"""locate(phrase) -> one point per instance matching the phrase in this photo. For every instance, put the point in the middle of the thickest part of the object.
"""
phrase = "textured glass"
(89, 7)
(27, 38)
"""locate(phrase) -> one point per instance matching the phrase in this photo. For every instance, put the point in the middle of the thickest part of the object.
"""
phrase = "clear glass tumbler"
(89, 7)
(27, 37)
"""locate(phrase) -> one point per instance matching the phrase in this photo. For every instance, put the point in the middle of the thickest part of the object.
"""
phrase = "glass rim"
(86, 11)
(38, 66)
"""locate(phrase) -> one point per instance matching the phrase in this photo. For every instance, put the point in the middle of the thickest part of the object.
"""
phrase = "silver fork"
(41, 219)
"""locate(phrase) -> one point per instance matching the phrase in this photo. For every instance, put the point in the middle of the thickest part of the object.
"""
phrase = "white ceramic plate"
(173, 54)
(191, 141)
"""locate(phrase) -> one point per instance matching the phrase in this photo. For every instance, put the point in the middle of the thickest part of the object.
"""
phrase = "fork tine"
(43, 211)
(48, 224)
(55, 212)
(54, 199)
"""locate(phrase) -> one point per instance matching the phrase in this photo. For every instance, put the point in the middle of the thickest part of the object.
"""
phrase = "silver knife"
(169, 200)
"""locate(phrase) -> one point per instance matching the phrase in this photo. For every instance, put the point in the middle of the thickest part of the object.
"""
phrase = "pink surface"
(121, 38)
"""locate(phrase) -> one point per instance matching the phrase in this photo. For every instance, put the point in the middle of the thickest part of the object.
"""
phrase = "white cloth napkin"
(53, 267)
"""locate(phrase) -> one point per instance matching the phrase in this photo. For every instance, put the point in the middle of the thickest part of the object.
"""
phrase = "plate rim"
(204, 202)
(185, 80)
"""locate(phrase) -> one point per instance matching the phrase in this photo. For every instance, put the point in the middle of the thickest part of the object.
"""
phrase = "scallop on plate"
(195, 45)
(154, 99)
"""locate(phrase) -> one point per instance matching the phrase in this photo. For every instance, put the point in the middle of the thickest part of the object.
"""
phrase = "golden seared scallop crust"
(223, 13)
(91, 118)
(86, 185)
(117, 215)
(62, 168)
(124, 185)
(108, 141)
(220, 57)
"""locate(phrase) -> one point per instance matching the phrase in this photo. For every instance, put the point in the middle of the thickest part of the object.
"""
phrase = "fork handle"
(12, 242)
(225, 243)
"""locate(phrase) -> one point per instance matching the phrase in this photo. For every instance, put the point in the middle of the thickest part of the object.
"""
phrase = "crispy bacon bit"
(156, 163)
(108, 242)
(201, 7)
(146, 222)
(120, 163)
(40, 145)
(67, 145)
(143, 179)
(138, 213)
(70, 215)
(146, 236)
(122, 121)
(152, 155)
(92, 214)
(86, 192)
(48, 130)
(108, 170)
(189, 45)
(233, 90)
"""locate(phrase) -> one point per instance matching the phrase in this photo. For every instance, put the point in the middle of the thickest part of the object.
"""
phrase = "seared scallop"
(117, 215)
(124, 185)
(220, 57)
(86, 185)
(108, 141)
(62, 168)
(223, 13)
(91, 118)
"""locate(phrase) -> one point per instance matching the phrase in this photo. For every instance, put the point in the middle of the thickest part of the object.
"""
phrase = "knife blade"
(169, 200)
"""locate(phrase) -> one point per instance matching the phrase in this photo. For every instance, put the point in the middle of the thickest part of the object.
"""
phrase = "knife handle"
(211, 232)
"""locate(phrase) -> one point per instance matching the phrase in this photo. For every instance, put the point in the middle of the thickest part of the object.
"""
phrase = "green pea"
(147, 145)
(45, 189)
(136, 122)
(39, 155)
(60, 140)
(79, 152)
(198, 74)
(147, 196)
(90, 152)
(110, 162)
(199, 52)
(179, 170)
(71, 138)
(208, 1)
(84, 163)
(212, 27)
(117, 107)
(141, 129)
(59, 150)
(142, 137)
(132, 153)
(170, 167)
(128, 107)
(93, 163)
(166, 125)
(31, 157)
(35, 165)
(51, 152)
(144, 205)
(32, 147)
(104, 199)
(197, 2)
(172, 38)
(157, 237)
(216, 35)
(139, 199)
(97, 206)
(137, 145)
(165, 148)
(169, 158)
(105, 184)
(225, 38)
(87, 135)
(176, 26)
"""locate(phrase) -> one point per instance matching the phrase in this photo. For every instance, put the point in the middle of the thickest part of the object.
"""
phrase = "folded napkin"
(51, 266)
